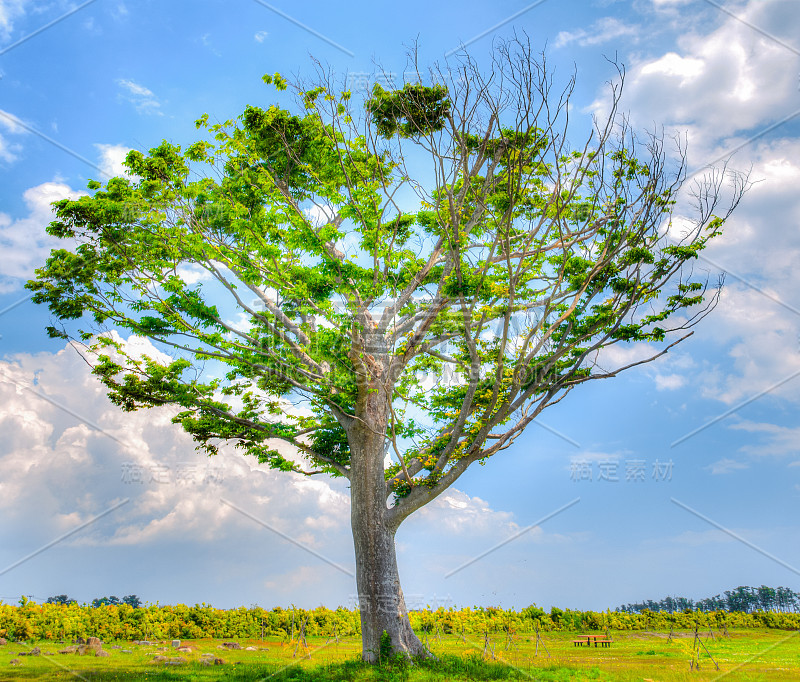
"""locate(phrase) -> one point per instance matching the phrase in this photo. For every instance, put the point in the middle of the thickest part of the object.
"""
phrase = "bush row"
(124, 622)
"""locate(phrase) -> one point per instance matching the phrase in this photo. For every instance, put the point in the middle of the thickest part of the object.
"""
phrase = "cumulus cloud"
(724, 87)
(752, 335)
(669, 372)
(458, 513)
(760, 342)
(719, 84)
(111, 158)
(24, 242)
(69, 455)
(760, 223)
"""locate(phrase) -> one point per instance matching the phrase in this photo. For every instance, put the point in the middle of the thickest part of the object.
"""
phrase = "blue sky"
(713, 511)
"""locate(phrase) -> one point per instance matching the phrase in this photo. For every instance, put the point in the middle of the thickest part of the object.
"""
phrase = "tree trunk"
(380, 597)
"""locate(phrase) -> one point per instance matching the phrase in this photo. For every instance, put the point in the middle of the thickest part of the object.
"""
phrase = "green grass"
(745, 655)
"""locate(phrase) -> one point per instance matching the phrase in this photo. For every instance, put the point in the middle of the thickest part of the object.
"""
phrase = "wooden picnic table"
(602, 640)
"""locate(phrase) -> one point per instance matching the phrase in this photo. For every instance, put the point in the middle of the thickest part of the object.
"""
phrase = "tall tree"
(442, 231)
(59, 599)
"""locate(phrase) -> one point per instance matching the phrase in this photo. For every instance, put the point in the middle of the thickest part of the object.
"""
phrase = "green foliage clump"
(415, 109)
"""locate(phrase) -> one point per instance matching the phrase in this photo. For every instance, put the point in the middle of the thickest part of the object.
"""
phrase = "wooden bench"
(587, 640)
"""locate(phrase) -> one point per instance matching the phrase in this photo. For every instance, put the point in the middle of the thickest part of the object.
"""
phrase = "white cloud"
(701, 538)
(25, 243)
(760, 340)
(757, 321)
(320, 215)
(456, 514)
(671, 64)
(10, 11)
(759, 225)
(726, 466)
(8, 122)
(724, 87)
(141, 97)
(138, 347)
(111, 158)
(261, 36)
(120, 12)
(780, 440)
(717, 84)
(7, 152)
(622, 354)
(669, 382)
(60, 471)
(459, 513)
(601, 31)
(91, 451)
(668, 372)
(192, 274)
(593, 456)
(135, 88)
(205, 41)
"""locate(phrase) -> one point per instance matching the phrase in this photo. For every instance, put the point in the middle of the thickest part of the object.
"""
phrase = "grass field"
(649, 656)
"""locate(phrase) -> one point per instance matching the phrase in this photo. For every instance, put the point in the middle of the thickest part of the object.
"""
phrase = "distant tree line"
(64, 622)
(131, 600)
(743, 598)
